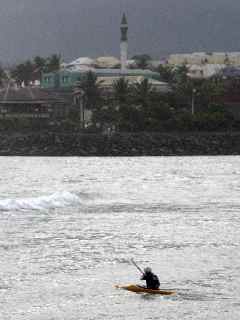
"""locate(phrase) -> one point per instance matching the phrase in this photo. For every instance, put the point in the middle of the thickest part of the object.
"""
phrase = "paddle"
(134, 263)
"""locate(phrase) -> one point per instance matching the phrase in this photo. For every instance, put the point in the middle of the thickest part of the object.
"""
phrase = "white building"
(204, 71)
(200, 58)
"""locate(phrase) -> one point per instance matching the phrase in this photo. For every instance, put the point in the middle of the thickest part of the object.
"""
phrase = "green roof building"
(72, 73)
(67, 79)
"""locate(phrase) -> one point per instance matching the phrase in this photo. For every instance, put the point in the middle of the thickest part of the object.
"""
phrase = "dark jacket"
(152, 280)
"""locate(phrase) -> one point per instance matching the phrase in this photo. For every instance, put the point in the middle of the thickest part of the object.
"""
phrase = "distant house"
(204, 71)
(231, 72)
(67, 79)
(199, 58)
(33, 103)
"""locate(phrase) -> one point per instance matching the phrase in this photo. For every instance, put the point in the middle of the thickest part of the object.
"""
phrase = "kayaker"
(152, 280)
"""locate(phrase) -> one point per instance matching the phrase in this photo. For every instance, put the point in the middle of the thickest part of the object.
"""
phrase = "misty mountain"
(91, 27)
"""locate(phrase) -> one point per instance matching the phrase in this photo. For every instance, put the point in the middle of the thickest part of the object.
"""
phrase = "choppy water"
(68, 227)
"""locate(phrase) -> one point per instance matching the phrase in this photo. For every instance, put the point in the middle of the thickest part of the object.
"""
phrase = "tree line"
(190, 104)
(30, 70)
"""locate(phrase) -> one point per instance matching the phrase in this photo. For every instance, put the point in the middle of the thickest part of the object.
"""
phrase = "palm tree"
(121, 90)
(142, 92)
(53, 63)
(23, 72)
(166, 72)
(209, 91)
(3, 76)
(91, 95)
(39, 65)
(122, 101)
(142, 60)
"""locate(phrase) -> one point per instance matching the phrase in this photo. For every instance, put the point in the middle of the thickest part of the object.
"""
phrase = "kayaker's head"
(147, 270)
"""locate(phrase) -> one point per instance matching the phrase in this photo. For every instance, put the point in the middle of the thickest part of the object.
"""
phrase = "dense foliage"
(31, 70)
(3, 76)
(190, 104)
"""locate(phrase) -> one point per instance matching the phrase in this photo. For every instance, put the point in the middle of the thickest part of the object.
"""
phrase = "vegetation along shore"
(191, 117)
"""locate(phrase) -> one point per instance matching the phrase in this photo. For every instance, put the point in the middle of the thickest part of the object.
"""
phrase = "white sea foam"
(55, 200)
(180, 215)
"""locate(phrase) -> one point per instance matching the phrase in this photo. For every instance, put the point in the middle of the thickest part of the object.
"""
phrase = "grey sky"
(91, 27)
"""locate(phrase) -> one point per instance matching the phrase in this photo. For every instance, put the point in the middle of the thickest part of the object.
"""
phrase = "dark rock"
(120, 144)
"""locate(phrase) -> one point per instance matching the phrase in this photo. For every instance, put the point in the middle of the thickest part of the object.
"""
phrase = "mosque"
(107, 69)
(50, 102)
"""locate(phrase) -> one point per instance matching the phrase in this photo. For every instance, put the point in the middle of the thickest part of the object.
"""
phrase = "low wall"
(121, 144)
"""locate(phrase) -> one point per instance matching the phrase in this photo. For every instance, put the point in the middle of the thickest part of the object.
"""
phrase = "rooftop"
(29, 95)
(107, 82)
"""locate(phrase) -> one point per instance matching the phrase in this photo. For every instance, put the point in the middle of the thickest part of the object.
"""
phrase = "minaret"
(124, 43)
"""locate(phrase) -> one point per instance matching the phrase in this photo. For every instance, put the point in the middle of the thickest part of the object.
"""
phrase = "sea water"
(69, 227)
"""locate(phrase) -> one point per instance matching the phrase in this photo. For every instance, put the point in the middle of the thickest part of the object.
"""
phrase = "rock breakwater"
(120, 144)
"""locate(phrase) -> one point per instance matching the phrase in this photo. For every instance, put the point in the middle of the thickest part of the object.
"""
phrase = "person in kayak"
(152, 280)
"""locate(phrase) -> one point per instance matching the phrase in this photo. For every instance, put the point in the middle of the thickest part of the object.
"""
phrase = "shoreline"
(120, 144)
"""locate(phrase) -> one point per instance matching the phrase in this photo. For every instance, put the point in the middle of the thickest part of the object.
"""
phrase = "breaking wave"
(55, 200)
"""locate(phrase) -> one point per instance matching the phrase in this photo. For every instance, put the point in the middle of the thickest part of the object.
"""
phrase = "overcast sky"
(91, 27)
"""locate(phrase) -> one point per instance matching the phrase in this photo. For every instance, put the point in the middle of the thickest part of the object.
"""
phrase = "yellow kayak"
(138, 289)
